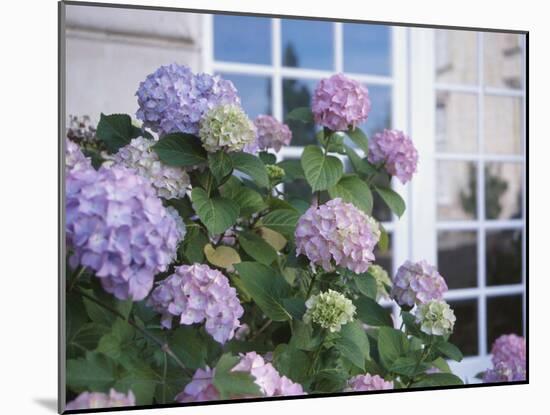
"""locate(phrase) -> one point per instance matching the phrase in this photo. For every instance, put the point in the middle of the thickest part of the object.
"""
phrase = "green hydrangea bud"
(382, 280)
(274, 172)
(329, 309)
(435, 317)
(226, 127)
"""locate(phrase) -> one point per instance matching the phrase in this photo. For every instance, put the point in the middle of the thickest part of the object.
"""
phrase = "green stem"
(163, 346)
(317, 352)
(311, 285)
(261, 330)
(425, 354)
(79, 273)
(164, 371)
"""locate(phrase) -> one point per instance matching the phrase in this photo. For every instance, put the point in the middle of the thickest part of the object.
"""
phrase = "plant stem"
(261, 330)
(425, 354)
(164, 370)
(79, 273)
(163, 346)
(311, 285)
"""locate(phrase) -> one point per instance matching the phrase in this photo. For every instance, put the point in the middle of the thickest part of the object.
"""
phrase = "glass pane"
(465, 334)
(504, 316)
(307, 44)
(503, 190)
(384, 259)
(380, 113)
(250, 43)
(503, 125)
(456, 190)
(503, 60)
(367, 48)
(380, 211)
(457, 258)
(298, 93)
(255, 92)
(456, 56)
(456, 122)
(504, 257)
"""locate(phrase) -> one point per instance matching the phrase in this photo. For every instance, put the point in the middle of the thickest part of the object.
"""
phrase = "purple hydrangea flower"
(173, 99)
(509, 360)
(340, 103)
(74, 159)
(96, 400)
(195, 293)
(271, 383)
(417, 283)
(368, 382)
(270, 133)
(117, 226)
(396, 151)
(337, 233)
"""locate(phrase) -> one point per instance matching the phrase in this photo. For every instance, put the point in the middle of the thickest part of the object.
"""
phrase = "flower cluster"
(174, 99)
(81, 130)
(274, 172)
(509, 360)
(396, 151)
(96, 400)
(74, 159)
(329, 309)
(383, 280)
(417, 283)
(368, 382)
(339, 232)
(270, 133)
(169, 182)
(435, 317)
(195, 293)
(227, 128)
(340, 103)
(270, 382)
(117, 226)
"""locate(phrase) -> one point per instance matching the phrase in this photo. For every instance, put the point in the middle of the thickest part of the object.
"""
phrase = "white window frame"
(413, 110)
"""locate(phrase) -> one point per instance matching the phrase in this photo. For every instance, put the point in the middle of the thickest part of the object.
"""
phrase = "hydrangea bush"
(192, 277)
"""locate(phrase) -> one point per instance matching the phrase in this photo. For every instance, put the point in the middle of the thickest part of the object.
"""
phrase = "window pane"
(503, 60)
(298, 93)
(504, 316)
(457, 258)
(456, 190)
(307, 44)
(503, 190)
(367, 48)
(465, 334)
(456, 122)
(456, 56)
(503, 124)
(380, 113)
(504, 257)
(254, 91)
(385, 259)
(242, 39)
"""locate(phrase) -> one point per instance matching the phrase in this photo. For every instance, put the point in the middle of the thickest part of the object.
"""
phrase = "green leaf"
(195, 240)
(450, 350)
(366, 285)
(116, 131)
(384, 241)
(296, 307)
(189, 346)
(251, 166)
(282, 221)
(233, 384)
(442, 365)
(372, 313)
(359, 138)
(302, 114)
(217, 213)
(249, 201)
(257, 248)
(392, 199)
(113, 343)
(303, 338)
(438, 379)
(94, 372)
(291, 362)
(293, 169)
(392, 344)
(267, 158)
(353, 190)
(359, 165)
(408, 366)
(99, 314)
(321, 171)
(183, 206)
(85, 336)
(353, 344)
(267, 289)
(222, 256)
(180, 150)
(411, 325)
(220, 165)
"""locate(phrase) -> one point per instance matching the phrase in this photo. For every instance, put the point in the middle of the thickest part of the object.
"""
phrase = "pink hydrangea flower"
(340, 103)
(396, 151)
(368, 382)
(417, 283)
(337, 233)
(270, 133)
(197, 293)
(270, 382)
(96, 400)
(509, 360)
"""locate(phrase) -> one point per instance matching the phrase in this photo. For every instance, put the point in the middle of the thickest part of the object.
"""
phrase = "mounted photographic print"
(261, 207)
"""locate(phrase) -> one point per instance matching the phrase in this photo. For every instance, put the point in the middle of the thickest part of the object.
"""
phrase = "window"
(465, 205)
